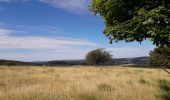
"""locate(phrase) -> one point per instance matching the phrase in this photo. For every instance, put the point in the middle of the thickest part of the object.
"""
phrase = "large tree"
(135, 20)
(160, 56)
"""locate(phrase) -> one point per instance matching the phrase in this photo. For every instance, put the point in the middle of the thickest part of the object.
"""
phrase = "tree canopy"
(160, 56)
(135, 20)
(98, 56)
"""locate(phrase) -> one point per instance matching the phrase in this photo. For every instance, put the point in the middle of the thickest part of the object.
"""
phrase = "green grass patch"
(164, 86)
(143, 81)
(105, 87)
(91, 97)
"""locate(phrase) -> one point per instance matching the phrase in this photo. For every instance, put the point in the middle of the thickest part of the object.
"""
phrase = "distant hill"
(16, 63)
(138, 60)
(118, 61)
(66, 62)
(115, 61)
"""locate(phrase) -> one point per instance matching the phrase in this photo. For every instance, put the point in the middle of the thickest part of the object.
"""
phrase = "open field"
(83, 83)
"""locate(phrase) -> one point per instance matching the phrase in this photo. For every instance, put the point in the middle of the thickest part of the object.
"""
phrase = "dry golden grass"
(80, 83)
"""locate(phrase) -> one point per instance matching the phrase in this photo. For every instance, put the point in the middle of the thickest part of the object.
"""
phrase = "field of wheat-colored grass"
(82, 83)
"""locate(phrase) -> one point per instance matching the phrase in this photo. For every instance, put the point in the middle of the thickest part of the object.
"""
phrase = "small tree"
(160, 56)
(98, 56)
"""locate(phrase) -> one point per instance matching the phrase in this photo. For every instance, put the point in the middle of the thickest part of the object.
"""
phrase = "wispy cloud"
(44, 55)
(10, 42)
(33, 42)
(4, 32)
(36, 30)
(39, 48)
(75, 6)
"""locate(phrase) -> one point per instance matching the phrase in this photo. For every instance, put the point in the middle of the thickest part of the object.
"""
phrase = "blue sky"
(40, 30)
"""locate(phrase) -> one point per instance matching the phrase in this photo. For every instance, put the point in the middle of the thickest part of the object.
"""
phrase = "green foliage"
(160, 56)
(135, 20)
(165, 89)
(98, 56)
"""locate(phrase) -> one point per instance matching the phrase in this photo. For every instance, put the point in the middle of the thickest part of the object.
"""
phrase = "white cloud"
(41, 48)
(30, 42)
(5, 31)
(76, 6)
(45, 55)
(33, 42)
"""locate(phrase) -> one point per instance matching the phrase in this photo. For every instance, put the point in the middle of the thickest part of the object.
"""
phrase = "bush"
(98, 56)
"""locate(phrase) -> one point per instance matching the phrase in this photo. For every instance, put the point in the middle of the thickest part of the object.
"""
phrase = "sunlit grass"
(83, 83)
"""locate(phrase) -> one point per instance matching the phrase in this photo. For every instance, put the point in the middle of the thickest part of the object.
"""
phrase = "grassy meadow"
(83, 83)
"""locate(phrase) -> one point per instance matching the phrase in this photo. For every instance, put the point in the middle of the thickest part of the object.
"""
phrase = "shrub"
(98, 56)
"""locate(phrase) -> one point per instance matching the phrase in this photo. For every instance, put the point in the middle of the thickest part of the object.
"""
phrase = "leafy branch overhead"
(135, 20)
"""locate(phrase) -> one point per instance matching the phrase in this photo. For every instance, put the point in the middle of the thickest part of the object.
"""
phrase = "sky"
(43, 30)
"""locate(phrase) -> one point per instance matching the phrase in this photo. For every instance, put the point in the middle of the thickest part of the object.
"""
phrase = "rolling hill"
(115, 61)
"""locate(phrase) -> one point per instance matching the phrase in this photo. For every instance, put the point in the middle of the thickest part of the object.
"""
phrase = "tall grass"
(83, 83)
(164, 86)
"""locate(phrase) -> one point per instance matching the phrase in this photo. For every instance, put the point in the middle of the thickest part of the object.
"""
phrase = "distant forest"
(118, 61)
